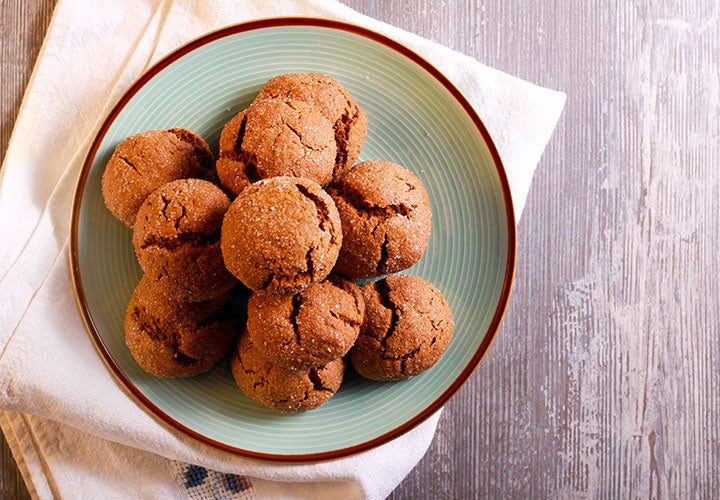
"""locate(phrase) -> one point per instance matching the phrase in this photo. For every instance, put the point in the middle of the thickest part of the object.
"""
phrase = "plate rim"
(147, 76)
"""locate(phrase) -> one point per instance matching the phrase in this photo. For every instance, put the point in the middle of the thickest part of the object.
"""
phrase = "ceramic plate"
(418, 119)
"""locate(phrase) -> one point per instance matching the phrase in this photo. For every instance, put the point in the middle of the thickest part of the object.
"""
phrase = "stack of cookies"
(304, 223)
(180, 320)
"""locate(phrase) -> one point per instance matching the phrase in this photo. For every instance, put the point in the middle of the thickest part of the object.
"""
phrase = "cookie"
(386, 219)
(307, 329)
(288, 391)
(407, 326)
(177, 240)
(281, 234)
(333, 101)
(168, 338)
(143, 162)
(276, 137)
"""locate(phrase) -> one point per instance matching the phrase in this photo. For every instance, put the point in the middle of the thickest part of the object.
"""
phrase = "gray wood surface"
(604, 380)
(22, 28)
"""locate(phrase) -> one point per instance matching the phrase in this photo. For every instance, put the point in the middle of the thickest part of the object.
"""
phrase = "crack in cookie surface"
(129, 164)
(383, 290)
(247, 160)
(366, 208)
(181, 240)
(323, 212)
(317, 382)
(383, 256)
(162, 332)
(297, 301)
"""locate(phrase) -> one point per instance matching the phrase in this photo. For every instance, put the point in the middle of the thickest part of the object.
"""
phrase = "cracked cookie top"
(333, 101)
(177, 339)
(143, 162)
(386, 219)
(408, 325)
(177, 240)
(276, 137)
(289, 391)
(281, 234)
(309, 328)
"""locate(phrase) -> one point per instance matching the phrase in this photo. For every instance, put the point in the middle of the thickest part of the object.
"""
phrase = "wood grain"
(604, 381)
(22, 29)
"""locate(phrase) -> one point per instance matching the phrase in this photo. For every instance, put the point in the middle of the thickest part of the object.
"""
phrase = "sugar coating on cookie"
(143, 162)
(349, 121)
(276, 137)
(168, 338)
(177, 240)
(281, 234)
(309, 328)
(288, 391)
(386, 219)
(408, 325)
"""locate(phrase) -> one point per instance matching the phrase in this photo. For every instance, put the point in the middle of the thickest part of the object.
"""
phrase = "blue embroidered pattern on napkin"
(204, 484)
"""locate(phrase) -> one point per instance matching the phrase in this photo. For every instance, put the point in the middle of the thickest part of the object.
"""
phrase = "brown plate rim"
(271, 23)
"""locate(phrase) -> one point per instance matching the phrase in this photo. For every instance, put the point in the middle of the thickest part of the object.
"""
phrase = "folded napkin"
(72, 428)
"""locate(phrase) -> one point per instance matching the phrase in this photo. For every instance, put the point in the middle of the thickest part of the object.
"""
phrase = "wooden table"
(604, 380)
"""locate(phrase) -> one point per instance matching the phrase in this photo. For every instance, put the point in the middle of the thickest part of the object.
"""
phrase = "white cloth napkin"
(72, 428)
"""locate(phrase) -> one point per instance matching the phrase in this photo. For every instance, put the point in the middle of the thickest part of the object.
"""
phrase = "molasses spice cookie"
(177, 339)
(408, 325)
(177, 240)
(288, 391)
(143, 162)
(310, 328)
(333, 101)
(386, 219)
(276, 137)
(281, 234)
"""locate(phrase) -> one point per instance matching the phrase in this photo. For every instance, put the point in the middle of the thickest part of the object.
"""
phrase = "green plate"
(418, 119)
